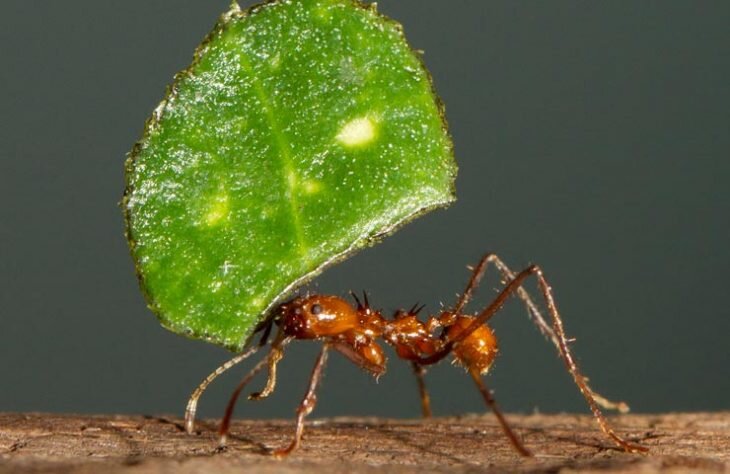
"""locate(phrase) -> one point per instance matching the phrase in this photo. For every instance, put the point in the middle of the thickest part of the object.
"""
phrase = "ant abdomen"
(478, 350)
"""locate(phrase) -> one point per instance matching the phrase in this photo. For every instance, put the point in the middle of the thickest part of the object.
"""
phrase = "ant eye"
(316, 309)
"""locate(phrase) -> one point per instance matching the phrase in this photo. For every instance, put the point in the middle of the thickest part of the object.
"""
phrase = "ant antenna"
(192, 406)
(273, 356)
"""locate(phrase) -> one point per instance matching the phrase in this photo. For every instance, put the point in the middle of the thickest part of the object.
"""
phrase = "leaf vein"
(285, 155)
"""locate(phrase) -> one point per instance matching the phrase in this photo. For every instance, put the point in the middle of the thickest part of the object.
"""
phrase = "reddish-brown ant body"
(355, 331)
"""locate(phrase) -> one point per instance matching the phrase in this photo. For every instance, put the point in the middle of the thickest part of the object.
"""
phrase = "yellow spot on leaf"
(218, 209)
(357, 132)
(311, 186)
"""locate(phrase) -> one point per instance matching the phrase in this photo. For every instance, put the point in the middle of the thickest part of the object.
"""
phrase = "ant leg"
(279, 343)
(356, 358)
(492, 403)
(579, 379)
(476, 276)
(480, 319)
(536, 316)
(308, 402)
(420, 372)
(508, 275)
(192, 406)
(277, 353)
(532, 310)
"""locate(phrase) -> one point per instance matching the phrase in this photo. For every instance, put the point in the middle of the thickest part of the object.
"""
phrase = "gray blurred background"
(593, 138)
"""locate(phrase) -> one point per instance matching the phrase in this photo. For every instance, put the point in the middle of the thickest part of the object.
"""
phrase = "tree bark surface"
(30, 443)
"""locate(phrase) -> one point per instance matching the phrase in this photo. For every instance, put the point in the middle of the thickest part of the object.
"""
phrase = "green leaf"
(303, 131)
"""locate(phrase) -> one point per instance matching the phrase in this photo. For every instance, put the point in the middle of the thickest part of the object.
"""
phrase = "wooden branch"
(143, 444)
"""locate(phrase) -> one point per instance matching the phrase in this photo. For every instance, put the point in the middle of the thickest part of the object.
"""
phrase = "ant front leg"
(276, 350)
(192, 406)
(277, 353)
(308, 402)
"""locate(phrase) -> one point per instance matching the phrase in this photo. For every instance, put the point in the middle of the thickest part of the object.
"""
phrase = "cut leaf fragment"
(303, 131)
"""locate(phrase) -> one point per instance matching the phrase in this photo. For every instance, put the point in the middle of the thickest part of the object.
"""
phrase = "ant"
(354, 331)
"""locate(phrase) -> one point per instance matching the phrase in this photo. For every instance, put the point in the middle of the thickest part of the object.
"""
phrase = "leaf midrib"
(285, 156)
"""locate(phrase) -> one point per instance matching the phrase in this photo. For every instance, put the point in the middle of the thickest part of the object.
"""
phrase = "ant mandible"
(354, 331)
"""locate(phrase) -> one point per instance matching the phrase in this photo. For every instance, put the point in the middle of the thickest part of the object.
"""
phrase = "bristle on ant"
(357, 300)
(415, 309)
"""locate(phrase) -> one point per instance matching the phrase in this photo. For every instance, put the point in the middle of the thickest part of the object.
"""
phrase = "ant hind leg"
(559, 339)
(492, 403)
(592, 398)
(532, 310)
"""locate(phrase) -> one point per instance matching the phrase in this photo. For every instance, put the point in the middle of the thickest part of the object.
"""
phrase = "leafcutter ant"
(354, 331)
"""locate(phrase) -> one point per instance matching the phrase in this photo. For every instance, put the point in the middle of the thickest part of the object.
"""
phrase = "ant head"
(312, 316)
